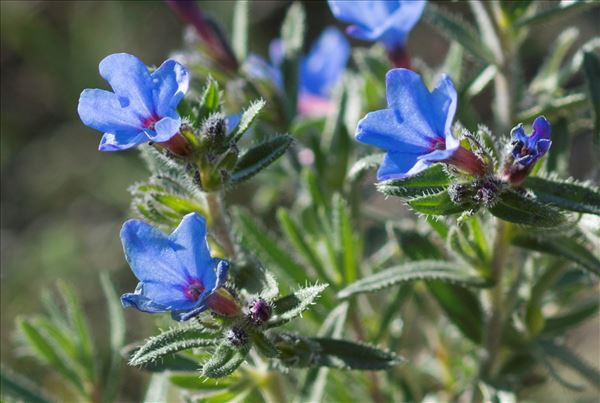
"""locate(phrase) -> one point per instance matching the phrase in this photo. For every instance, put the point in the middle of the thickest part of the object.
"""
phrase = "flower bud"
(177, 145)
(487, 191)
(223, 303)
(459, 193)
(214, 130)
(260, 311)
(237, 336)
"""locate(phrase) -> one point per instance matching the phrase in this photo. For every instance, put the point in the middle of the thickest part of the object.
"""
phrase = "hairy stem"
(219, 223)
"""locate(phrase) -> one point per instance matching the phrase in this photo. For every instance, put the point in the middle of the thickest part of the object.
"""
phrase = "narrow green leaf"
(292, 36)
(568, 103)
(257, 238)
(239, 37)
(462, 307)
(562, 10)
(19, 388)
(560, 152)
(364, 164)
(514, 207)
(568, 195)
(591, 68)
(487, 29)
(559, 324)
(295, 236)
(225, 360)
(116, 322)
(259, 157)
(78, 322)
(263, 345)
(171, 341)
(46, 351)
(568, 247)
(347, 245)
(571, 360)
(158, 388)
(416, 246)
(292, 305)
(315, 380)
(438, 204)
(547, 78)
(454, 27)
(179, 204)
(195, 382)
(426, 270)
(433, 179)
(248, 117)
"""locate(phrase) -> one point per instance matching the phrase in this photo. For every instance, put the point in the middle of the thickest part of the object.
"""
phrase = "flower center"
(438, 144)
(194, 290)
(149, 122)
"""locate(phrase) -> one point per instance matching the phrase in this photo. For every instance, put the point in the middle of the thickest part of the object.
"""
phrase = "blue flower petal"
(122, 140)
(130, 80)
(171, 82)
(141, 302)
(438, 155)
(189, 241)
(541, 128)
(543, 146)
(385, 129)
(164, 129)
(150, 254)
(398, 165)
(412, 102)
(444, 100)
(104, 111)
(188, 314)
(323, 66)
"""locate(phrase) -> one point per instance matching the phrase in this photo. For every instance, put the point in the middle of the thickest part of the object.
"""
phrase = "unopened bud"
(459, 193)
(237, 336)
(260, 311)
(223, 303)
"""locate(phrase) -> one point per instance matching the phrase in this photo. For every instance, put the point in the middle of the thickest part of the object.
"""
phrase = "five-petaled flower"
(415, 129)
(320, 70)
(176, 272)
(385, 21)
(526, 150)
(142, 107)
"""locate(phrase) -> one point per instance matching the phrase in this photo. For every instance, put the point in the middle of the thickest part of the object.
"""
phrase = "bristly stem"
(219, 223)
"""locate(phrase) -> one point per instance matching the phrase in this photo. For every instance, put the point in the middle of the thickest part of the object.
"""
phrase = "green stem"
(219, 223)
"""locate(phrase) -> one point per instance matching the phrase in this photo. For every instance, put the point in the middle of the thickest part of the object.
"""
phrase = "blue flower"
(528, 149)
(386, 21)
(320, 70)
(176, 272)
(142, 107)
(415, 129)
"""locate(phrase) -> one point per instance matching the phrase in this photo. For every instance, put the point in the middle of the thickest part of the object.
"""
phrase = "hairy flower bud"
(214, 130)
(237, 336)
(459, 193)
(260, 311)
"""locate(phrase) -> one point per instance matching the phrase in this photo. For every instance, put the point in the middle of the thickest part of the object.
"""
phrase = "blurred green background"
(63, 202)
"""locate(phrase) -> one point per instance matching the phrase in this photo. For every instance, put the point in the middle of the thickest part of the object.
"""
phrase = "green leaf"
(462, 307)
(571, 360)
(292, 305)
(239, 37)
(438, 204)
(347, 243)
(296, 237)
(315, 380)
(433, 179)
(426, 270)
(568, 247)
(559, 324)
(78, 322)
(225, 360)
(254, 280)
(48, 352)
(547, 78)
(305, 352)
(292, 36)
(259, 157)
(568, 195)
(364, 164)
(415, 245)
(514, 207)
(116, 322)
(179, 204)
(457, 29)
(171, 362)
(248, 117)
(19, 388)
(263, 345)
(172, 341)
(560, 152)
(591, 68)
(555, 105)
(210, 102)
(562, 10)
(195, 382)
(257, 238)
(158, 388)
